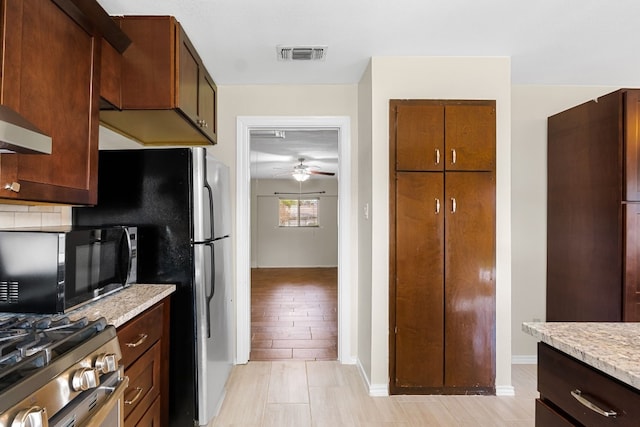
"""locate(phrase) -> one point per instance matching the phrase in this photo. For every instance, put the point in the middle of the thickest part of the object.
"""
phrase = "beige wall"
(365, 269)
(531, 105)
(274, 246)
(290, 100)
(436, 78)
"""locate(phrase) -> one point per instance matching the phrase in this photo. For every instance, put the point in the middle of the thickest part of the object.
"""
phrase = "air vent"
(301, 53)
(9, 292)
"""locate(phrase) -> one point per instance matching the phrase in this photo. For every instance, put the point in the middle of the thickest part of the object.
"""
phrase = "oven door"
(99, 407)
(111, 413)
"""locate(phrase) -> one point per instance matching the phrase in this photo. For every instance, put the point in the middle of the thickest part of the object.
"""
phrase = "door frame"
(244, 124)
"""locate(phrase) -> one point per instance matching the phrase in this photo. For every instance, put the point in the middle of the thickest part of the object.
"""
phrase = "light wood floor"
(294, 314)
(328, 394)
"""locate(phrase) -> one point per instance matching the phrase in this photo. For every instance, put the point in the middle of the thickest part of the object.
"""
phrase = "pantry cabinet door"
(419, 328)
(470, 280)
(419, 134)
(471, 137)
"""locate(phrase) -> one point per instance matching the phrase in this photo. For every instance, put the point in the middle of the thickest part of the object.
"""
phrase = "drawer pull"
(577, 394)
(139, 391)
(142, 338)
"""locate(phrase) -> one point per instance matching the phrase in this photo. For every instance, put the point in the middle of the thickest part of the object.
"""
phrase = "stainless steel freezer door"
(213, 311)
(211, 197)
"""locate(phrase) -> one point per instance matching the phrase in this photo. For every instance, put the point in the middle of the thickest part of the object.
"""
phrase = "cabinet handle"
(139, 391)
(14, 186)
(577, 394)
(437, 156)
(202, 123)
(437, 206)
(454, 205)
(143, 338)
(454, 156)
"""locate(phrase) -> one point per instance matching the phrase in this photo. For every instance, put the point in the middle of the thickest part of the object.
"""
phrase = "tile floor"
(294, 314)
(327, 394)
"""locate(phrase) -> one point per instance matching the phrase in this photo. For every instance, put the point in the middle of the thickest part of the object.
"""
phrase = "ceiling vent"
(301, 53)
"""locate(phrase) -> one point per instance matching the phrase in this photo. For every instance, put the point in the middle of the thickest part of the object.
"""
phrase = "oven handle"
(115, 398)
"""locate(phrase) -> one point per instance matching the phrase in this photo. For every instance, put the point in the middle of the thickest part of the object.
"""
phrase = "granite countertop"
(613, 348)
(125, 304)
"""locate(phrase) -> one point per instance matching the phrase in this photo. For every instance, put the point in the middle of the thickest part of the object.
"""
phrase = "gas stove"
(50, 364)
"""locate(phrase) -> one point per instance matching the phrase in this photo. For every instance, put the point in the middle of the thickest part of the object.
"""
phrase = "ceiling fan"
(302, 172)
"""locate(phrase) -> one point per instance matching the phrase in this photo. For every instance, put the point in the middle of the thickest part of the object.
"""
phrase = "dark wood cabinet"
(167, 95)
(442, 284)
(570, 392)
(50, 75)
(421, 129)
(593, 192)
(144, 342)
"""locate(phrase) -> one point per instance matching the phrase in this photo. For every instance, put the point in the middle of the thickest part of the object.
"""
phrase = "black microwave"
(57, 269)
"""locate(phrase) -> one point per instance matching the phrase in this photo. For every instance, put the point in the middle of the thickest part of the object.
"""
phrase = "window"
(298, 212)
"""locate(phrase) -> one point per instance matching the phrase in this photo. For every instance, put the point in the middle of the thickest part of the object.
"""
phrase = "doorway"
(243, 226)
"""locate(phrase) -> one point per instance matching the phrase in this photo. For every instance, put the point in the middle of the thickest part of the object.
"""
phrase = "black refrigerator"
(179, 200)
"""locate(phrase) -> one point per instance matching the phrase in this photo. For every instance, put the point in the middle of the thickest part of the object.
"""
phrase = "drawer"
(151, 418)
(548, 417)
(139, 334)
(144, 385)
(559, 375)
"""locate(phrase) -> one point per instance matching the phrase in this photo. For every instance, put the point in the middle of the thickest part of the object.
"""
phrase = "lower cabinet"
(144, 344)
(573, 393)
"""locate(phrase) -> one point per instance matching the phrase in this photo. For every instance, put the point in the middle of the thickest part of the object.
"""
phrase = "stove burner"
(40, 357)
(31, 342)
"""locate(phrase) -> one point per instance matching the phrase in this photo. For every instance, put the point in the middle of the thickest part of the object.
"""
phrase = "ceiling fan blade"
(321, 173)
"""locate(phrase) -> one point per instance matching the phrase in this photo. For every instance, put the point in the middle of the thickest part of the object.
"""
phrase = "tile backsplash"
(12, 216)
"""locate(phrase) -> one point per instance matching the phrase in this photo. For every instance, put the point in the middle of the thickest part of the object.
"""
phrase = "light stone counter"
(125, 304)
(613, 348)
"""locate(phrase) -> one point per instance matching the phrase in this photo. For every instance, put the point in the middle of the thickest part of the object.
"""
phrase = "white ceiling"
(550, 42)
(581, 42)
(274, 158)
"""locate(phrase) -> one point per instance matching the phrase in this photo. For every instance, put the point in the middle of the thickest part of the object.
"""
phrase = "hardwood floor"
(328, 394)
(294, 314)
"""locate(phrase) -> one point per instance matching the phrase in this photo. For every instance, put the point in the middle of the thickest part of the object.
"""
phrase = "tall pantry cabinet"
(593, 210)
(442, 254)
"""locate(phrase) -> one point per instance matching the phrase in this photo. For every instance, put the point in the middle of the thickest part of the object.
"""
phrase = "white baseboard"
(524, 359)
(375, 390)
(505, 390)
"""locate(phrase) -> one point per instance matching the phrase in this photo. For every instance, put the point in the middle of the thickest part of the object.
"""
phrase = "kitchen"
(524, 106)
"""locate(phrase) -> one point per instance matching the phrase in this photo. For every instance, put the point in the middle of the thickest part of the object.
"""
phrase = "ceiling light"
(301, 53)
(300, 175)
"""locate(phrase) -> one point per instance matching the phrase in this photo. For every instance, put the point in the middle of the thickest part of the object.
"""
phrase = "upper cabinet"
(423, 125)
(50, 75)
(167, 97)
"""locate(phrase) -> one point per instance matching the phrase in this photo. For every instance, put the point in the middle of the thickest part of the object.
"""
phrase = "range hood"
(18, 135)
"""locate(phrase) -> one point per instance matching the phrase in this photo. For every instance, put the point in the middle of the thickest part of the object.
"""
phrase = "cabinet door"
(631, 284)
(419, 338)
(188, 78)
(49, 76)
(470, 279)
(207, 92)
(196, 89)
(471, 137)
(419, 137)
(632, 145)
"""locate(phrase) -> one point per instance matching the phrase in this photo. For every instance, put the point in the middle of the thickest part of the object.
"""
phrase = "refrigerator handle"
(212, 290)
(210, 191)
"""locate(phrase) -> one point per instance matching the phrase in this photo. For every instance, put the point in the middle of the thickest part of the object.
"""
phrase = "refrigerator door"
(213, 309)
(212, 213)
